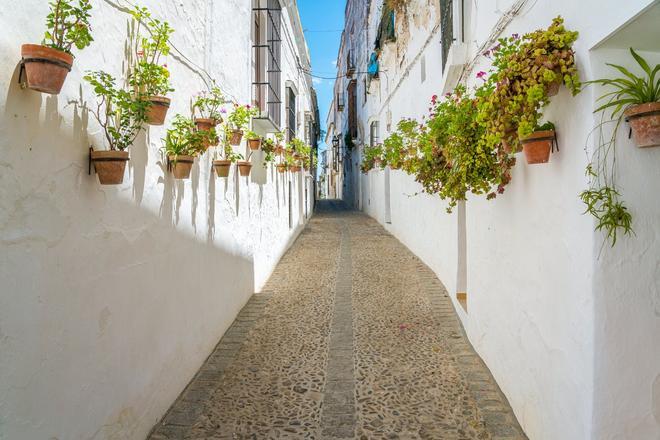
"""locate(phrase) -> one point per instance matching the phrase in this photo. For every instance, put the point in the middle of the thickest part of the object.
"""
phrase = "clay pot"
(537, 146)
(281, 168)
(157, 111)
(205, 124)
(236, 137)
(295, 169)
(644, 120)
(244, 168)
(45, 68)
(279, 150)
(181, 166)
(254, 144)
(110, 166)
(222, 167)
(553, 88)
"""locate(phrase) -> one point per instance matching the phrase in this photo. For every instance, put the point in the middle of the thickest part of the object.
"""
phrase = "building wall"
(112, 297)
(567, 326)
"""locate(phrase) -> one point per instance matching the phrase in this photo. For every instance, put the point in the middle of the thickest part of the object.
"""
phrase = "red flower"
(481, 75)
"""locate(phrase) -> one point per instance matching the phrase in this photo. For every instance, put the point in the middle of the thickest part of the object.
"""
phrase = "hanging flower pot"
(222, 167)
(510, 139)
(244, 168)
(181, 166)
(205, 124)
(644, 120)
(236, 137)
(281, 168)
(553, 88)
(295, 168)
(254, 144)
(109, 165)
(46, 69)
(538, 145)
(157, 111)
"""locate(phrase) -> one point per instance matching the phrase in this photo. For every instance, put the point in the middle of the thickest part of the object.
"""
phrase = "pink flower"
(165, 66)
(515, 36)
(487, 54)
(481, 75)
(247, 106)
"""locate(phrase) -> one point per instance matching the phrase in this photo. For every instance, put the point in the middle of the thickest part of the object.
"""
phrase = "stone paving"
(352, 338)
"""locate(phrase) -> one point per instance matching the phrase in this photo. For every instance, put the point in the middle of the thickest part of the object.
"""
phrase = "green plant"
(239, 119)
(120, 114)
(630, 89)
(183, 139)
(207, 105)
(251, 135)
(371, 155)
(149, 77)
(348, 141)
(546, 126)
(514, 93)
(268, 147)
(68, 25)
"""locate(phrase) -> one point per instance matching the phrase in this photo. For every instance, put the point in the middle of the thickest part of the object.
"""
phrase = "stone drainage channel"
(353, 337)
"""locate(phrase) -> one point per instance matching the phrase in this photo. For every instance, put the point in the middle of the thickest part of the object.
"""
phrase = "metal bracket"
(89, 163)
(22, 81)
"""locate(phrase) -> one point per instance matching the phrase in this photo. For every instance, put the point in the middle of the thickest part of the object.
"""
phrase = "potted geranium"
(121, 116)
(183, 142)
(149, 76)
(48, 64)
(207, 109)
(254, 140)
(639, 99)
(538, 145)
(226, 156)
(238, 122)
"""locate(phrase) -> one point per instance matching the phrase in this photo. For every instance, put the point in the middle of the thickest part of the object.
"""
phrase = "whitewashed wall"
(112, 297)
(569, 331)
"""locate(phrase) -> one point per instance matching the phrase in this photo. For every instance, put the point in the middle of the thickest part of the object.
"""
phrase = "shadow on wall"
(97, 289)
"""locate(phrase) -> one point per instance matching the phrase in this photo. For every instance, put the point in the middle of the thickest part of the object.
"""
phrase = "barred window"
(267, 54)
(374, 133)
(446, 28)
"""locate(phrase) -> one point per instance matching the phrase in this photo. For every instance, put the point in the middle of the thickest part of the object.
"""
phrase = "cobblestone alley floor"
(352, 338)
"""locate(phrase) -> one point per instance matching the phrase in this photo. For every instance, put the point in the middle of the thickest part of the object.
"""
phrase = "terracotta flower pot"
(181, 166)
(511, 139)
(222, 167)
(254, 144)
(244, 168)
(157, 111)
(110, 166)
(644, 120)
(236, 137)
(279, 150)
(205, 124)
(537, 146)
(295, 169)
(45, 68)
(281, 168)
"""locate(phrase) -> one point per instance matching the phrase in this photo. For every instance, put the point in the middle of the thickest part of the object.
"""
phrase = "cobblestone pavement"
(352, 338)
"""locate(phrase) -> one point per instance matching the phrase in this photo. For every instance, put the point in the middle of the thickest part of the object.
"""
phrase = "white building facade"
(111, 298)
(568, 326)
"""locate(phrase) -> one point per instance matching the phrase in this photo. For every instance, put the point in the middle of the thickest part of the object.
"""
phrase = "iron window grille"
(290, 114)
(374, 133)
(352, 109)
(446, 28)
(267, 51)
(340, 102)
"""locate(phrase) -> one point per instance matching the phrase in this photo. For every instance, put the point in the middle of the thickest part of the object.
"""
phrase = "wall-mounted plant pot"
(206, 124)
(222, 167)
(281, 168)
(181, 166)
(157, 111)
(236, 137)
(254, 144)
(279, 150)
(110, 166)
(295, 169)
(511, 141)
(45, 68)
(244, 168)
(644, 120)
(537, 146)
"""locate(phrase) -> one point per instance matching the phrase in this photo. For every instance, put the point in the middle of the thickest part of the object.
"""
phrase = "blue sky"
(323, 22)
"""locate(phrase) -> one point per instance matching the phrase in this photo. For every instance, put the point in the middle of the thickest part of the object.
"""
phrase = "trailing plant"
(603, 199)
(524, 70)
(68, 25)
(630, 89)
(240, 117)
(208, 105)
(183, 139)
(268, 147)
(149, 77)
(348, 141)
(372, 154)
(120, 113)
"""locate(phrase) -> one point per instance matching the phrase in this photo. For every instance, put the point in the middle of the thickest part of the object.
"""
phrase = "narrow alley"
(352, 337)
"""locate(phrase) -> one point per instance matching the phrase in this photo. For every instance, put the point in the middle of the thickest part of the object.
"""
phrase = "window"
(374, 130)
(446, 28)
(267, 53)
(290, 114)
(386, 28)
(352, 109)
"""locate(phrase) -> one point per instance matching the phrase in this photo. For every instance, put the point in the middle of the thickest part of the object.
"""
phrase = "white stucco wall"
(569, 331)
(112, 297)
